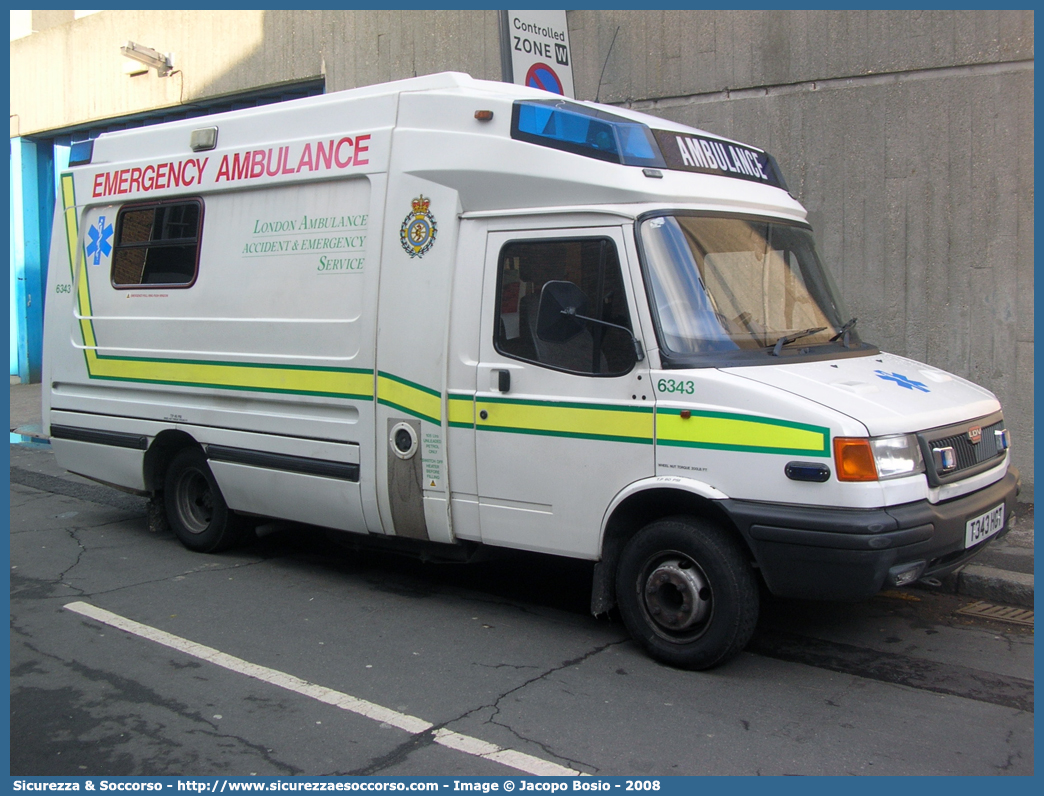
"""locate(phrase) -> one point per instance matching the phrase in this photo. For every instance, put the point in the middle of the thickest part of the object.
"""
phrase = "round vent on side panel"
(403, 440)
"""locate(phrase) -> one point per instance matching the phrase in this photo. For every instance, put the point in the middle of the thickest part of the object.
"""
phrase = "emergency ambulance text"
(252, 164)
(271, 162)
(183, 173)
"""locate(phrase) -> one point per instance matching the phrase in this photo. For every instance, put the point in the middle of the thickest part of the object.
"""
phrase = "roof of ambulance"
(456, 83)
(477, 159)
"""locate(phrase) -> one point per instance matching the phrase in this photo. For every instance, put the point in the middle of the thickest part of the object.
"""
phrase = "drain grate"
(1002, 613)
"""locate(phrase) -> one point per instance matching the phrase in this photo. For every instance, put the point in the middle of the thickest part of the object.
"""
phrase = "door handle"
(504, 380)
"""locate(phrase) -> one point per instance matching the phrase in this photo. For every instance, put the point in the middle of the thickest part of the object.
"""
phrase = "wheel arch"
(643, 503)
(161, 452)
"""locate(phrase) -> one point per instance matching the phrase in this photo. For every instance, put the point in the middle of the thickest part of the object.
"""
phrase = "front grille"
(969, 455)
(971, 458)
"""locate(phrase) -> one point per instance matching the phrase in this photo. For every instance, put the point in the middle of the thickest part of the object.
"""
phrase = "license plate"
(984, 526)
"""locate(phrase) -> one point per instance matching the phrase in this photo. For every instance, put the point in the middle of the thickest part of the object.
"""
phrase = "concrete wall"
(907, 134)
(73, 74)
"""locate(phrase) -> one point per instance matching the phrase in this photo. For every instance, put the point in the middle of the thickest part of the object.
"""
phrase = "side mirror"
(560, 316)
(562, 305)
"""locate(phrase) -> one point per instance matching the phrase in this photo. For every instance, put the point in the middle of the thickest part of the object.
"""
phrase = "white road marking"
(411, 724)
(506, 757)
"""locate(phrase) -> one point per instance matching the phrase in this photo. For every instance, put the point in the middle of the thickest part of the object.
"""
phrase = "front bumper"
(819, 553)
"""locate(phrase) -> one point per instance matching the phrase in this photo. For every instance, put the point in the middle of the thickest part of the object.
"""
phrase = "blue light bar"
(81, 152)
(584, 131)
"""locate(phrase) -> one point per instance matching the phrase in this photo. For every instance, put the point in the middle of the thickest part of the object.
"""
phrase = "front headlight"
(877, 458)
(897, 456)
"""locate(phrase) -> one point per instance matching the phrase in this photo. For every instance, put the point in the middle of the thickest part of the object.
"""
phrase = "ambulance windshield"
(725, 288)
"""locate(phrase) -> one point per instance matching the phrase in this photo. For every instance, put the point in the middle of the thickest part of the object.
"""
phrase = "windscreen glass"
(722, 285)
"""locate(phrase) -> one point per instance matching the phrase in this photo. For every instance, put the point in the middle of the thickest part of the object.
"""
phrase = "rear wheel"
(687, 592)
(196, 511)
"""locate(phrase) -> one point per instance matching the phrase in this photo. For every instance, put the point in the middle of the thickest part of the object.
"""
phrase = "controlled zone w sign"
(538, 42)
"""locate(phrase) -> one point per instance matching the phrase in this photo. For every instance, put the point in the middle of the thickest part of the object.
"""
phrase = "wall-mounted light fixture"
(162, 63)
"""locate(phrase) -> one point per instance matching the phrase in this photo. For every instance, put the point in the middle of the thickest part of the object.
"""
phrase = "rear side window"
(157, 244)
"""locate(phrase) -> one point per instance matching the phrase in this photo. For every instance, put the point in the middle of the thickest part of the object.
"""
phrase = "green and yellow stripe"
(639, 424)
(409, 397)
(83, 295)
(353, 383)
(747, 433)
(566, 419)
(462, 410)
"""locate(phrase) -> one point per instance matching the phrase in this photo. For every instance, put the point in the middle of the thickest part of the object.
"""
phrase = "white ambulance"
(447, 313)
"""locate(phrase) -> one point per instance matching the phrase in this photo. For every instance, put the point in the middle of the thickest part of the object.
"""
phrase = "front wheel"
(687, 592)
(196, 511)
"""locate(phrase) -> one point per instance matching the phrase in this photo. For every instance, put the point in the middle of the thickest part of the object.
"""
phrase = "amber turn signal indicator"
(854, 459)
(484, 116)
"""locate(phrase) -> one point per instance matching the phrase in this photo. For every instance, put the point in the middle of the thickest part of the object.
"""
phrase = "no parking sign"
(534, 47)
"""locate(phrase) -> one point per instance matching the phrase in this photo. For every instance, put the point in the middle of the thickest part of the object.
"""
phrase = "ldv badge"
(418, 229)
(975, 435)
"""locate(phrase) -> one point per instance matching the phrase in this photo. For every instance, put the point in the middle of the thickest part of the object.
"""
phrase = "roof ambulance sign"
(538, 43)
(686, 152)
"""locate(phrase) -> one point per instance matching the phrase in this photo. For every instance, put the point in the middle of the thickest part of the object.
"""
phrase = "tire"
(196, 511)
(687, 592)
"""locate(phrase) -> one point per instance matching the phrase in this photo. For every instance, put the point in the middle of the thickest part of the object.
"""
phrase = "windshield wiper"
(777, 349)
(842, 333)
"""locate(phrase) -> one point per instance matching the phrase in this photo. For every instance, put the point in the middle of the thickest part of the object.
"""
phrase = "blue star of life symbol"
(902, 381)
(99, 244)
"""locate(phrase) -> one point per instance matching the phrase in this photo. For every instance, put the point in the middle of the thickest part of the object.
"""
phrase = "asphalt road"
(504, 654)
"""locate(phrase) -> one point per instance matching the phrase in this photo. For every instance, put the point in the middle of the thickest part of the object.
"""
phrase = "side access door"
(563, 408)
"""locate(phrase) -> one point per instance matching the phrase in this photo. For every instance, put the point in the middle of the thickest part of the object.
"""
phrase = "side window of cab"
(157, 244)
(561, 304)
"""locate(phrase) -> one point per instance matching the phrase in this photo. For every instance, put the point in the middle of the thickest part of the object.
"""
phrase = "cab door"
(563, 416)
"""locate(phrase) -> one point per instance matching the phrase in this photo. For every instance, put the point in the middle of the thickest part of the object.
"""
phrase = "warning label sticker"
(432, 460)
